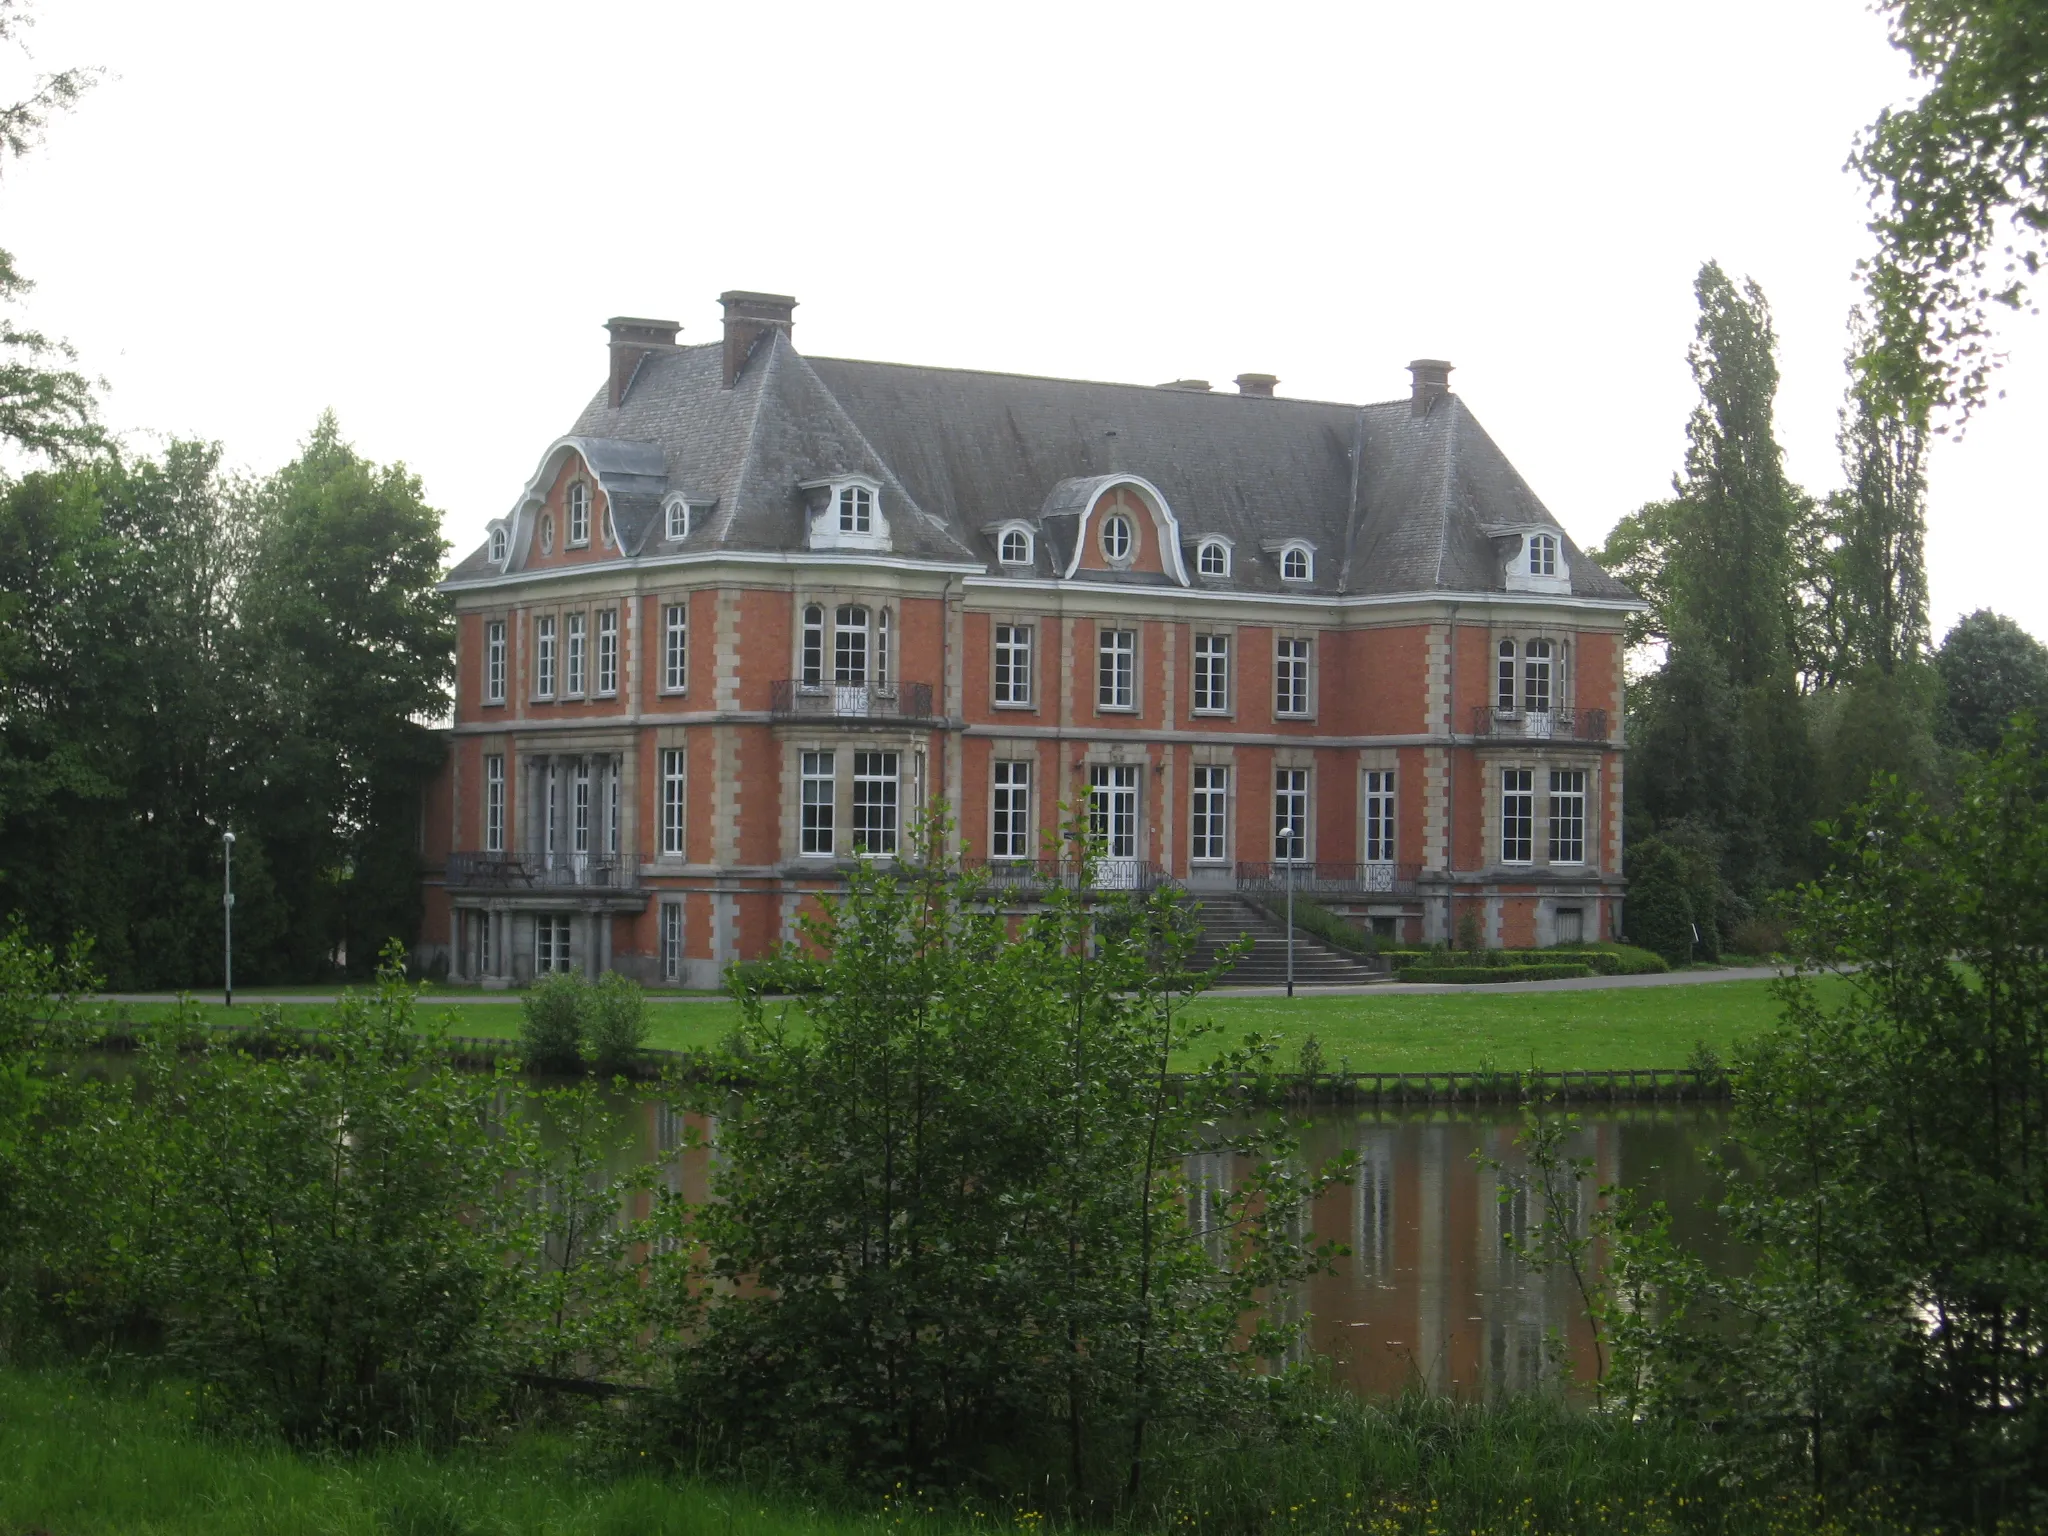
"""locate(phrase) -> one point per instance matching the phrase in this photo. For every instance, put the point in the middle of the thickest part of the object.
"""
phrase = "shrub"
(1757, 936)
(551, 1023)
(1481, 975)
(1661, 914)
(1318, 921)
(615, 1024)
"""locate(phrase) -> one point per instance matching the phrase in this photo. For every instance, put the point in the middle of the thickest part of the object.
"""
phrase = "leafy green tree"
(1960, 183)
(354, 649)
(1991, 669)
(1874, 726)
(1638, 551)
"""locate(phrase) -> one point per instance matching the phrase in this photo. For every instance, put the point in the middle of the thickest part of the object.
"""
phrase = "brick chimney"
(1432, 377)
(749, 317)
(632, 340)
(1259, 386)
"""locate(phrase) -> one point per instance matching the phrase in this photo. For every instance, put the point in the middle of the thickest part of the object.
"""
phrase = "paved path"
(1375, 989)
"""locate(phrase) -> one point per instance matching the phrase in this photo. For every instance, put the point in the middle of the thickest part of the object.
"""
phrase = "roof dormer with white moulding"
(844, 511)
(1533, 557)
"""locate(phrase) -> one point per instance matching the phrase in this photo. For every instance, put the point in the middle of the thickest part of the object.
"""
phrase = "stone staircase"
(1225, 919)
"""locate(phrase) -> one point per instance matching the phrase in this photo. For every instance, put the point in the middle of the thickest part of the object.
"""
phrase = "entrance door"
(1113, 818)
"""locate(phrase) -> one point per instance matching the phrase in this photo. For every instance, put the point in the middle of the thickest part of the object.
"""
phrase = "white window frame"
(612, 808)
(578, 504)
(1025, 550)
(1116, 669)
(1290, 816)
(494, 661)
(1292, 698)
(851, 626)
(1209, 814)
(1507, 692)
(883, 636)
(575, 639)
(1381, 819)
(1567, 815)
(1539, 677)
(877, 803)
(494, 802)
(1221, 553)
(1289, 554)
(580, 807)
(676, 518)
(1011, 684)
(551, 943)
(1010, 830)
(672, 941)
(855, 505)
(811, 647)
(1542, 554)
(675, 647)
(499, 544)
(544, 656)
(675, 803)
(1518, 815)
(607, 651)
(1119, 538)
(1209, 675)
(818, 778)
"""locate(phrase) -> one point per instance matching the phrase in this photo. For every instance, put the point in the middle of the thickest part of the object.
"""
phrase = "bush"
(551, 1024)
(1482, 975)
(1662, 913)
(1757, 936)
(1318, 921)
(615, 1022)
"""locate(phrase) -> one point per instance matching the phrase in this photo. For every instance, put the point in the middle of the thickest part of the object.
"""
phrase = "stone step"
(1224, 920)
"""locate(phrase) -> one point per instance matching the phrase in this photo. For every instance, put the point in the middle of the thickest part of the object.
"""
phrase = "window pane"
(816, 830)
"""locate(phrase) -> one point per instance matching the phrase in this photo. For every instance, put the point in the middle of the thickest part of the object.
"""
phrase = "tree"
(1991, 670)
(1638, 551)
(1960, 184)
(1883, 533)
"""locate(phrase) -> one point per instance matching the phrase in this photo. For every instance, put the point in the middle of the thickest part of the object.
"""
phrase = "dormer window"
(856, 509)
(547, 533)
(678, 513)
(1212, 558)
(1117, 538)
(1543, 554)
(497, 546)
(1014, 547)
(1297, 563)
(579, 514)
(845, 511)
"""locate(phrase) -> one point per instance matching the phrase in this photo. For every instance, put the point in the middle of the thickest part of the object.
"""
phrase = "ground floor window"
(1207, 802)
(550, 943)
(1379, 816)
(815, 837)
(484, 956)
(1290, 815)
(1010, 830)
(1567, 815)
(672, 940)
(1113, 809)
(1517, 815)
(874, 802)
(1571, 925)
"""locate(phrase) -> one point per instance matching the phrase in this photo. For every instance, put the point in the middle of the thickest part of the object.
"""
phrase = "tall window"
(608, 651)
(1013, 663)
(485, 954)
(1290, 677)
(1010, 830)
(1116, 669)
(678, 520)
(1567, 815)
(856, 509)
(494, 804)
(573, 654)
(544, 657)
(494, 662)
(1290, 815)
(673, 768)
(1504, 675)
(881, 647)
(1379, 816)
(675, 647)
(551, 942)
(1536, 689)
(551, 826)
(579, 818)
(672, 940)
(813, 666)
(611, 808)
(816, 831)
(497, 546)
(874, 802)
(1543, 554)
(579, 513)
(850, 645)
(1208, 804)
(1517, 815)
(1212, 674)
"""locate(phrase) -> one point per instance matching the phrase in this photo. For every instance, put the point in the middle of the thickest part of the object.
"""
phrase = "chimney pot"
(749, 318)
(633, 339)
(1258, 385)
(1432, 377)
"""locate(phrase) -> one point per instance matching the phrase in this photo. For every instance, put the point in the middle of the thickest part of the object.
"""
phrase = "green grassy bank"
(1380, 1032)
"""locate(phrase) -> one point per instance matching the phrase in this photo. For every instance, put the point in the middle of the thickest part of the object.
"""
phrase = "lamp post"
(227, 908)
(1292, 850)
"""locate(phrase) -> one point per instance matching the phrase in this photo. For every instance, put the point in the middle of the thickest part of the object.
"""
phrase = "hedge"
(1607, 960)
(1487, 975)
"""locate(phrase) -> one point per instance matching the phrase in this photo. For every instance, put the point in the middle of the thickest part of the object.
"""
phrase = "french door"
(1113, 820)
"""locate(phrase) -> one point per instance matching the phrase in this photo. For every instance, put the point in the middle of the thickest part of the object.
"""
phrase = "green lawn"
(1386, 1032)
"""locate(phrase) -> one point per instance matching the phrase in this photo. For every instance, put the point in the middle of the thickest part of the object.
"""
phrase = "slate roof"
(1393, 502)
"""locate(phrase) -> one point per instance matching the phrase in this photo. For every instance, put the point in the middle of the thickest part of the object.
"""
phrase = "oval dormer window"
(1295, 564)
(579, 513)
(1213, 558)
(547, 533)
(1543, 554)
(497, 546)
(1015, 548)
(1116, 537)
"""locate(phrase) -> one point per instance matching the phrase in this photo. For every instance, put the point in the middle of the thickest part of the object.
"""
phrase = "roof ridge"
(1149, 389)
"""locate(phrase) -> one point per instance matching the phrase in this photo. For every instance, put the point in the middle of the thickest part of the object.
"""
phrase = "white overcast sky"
(419, 213)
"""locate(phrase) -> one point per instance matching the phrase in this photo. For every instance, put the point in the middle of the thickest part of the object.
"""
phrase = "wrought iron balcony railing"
(1539, 725)
(1325, 879)
(1021, 878)
(472, 871)
(793, 699)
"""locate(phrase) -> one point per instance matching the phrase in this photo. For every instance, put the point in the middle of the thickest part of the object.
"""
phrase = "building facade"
(756, 609)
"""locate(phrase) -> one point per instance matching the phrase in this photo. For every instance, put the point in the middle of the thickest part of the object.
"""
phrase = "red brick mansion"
(754, 609)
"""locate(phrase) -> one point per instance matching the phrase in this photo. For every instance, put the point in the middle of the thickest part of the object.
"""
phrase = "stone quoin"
(755, 609)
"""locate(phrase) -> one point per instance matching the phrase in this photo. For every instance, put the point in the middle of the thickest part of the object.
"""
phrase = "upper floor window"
(850, 645)
(1379, 816)
(1504, 678)
(1212, 674)
(494, 662)
(494, 803)
(675, 647)
(579, 514)
(675, 770)
(1116, 670)
(1010, 811)
(1536, 677)
(1290, 677)
(575, 654)
(1543, 554)
(1567, 815)
(608, 651)
(856, 509)
(1014, 547)
(882, 648)
(1290, 815)
(497, 546)
(678, 519)
(1296, 563)
(814, 835)
(1117, 537)
(811, 669)
(1212, 558)
(544, 657)
(1517, 815)
(1013, 664)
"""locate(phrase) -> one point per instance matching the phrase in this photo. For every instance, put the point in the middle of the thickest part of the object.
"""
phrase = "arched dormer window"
(856, 509)
(677, 514)
(1543, 554)
(1504, 689)
(1014, 546)
(497, 546)
(1297, 563)
(845, 512)
(1212, 558)
(579, 514)
(1119, 539)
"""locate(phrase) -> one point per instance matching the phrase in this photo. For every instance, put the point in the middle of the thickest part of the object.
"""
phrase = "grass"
(1377, 1032)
